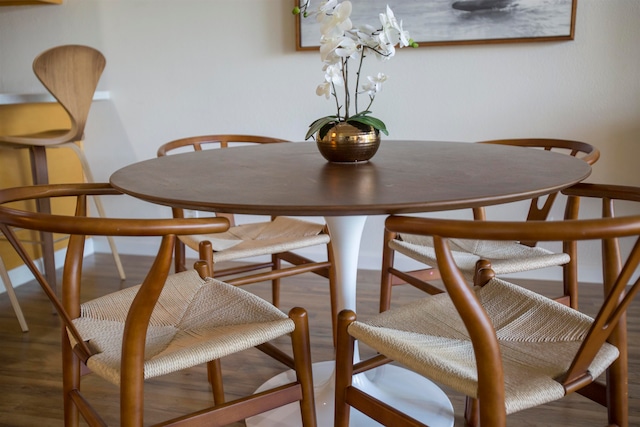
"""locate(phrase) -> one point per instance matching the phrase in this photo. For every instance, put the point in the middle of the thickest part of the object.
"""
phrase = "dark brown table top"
(403, 177)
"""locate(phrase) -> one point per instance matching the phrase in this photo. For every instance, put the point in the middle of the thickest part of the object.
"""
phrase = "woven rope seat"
(267, 249)
(506, 257)
(195, 320)
(168, 323)
(428, 336)
(262, 238)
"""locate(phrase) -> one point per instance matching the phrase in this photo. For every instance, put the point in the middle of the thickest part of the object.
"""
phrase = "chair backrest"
(617, 273)
(579, 149)
(203, 142)
(71, 74)
(198, 143)
(79, 226)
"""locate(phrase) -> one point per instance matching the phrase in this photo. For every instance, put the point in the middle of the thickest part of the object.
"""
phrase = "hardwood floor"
(30, 373)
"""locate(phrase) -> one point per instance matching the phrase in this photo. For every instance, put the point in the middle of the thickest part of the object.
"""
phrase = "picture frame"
(460, 22)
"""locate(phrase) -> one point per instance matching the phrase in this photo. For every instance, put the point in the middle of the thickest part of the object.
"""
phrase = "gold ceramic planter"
(345, 143)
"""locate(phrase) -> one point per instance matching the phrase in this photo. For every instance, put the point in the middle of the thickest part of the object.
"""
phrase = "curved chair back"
(203, 142)
(619, 285)
(278, 238)
(579, 149)
(79, 226)
(71, 74)
(528, 257)
(166, 324)
(197, 143)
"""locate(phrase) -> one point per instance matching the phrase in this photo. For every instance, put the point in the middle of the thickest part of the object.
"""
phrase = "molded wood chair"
(166, 324)
(505, 257)
(503, 346)
(71, 74)
(8, 286)
(277, 238)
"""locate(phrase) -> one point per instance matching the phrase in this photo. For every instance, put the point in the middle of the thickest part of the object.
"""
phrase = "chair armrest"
(603, 191)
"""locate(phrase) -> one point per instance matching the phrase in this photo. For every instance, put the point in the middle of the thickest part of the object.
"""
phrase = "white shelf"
(37, 98)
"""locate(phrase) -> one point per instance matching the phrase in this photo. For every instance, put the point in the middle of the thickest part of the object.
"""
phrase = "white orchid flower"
(366, 34)
(393, 31)
(405, 38)
(341, 44)
(347, 48)
(328, 48)
(333, 74)
(326, 7)
(324, 89)
(388, 20)
(338, 22)
(385, 49)
(375, 84)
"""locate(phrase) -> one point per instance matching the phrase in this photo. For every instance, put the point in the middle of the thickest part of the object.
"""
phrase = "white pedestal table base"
(399, 387)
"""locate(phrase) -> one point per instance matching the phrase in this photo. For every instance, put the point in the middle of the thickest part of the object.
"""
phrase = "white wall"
(187, 67)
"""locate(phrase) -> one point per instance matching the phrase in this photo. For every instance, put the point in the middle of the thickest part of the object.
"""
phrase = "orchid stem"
(364, 49)
(335, 96)
(371, 98)
(347, 98)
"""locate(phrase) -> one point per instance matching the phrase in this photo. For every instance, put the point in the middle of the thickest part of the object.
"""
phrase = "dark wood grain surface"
(403, 177)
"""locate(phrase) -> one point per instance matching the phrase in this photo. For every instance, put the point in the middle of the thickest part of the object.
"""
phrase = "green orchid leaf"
(371, 121)
(361, 113)
(324, 119)
(319, 124)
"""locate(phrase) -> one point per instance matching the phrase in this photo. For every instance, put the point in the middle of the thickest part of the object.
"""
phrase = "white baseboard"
(21, 275)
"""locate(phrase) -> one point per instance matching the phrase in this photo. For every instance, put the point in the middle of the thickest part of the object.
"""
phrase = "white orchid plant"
(341, 42)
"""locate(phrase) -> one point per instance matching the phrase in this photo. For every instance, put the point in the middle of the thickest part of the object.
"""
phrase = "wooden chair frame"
(75, 357)
(609, 325)
(71, 74)
(539, 209)
(237, 275)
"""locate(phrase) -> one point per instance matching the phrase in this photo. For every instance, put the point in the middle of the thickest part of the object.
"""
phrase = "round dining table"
(403, 177)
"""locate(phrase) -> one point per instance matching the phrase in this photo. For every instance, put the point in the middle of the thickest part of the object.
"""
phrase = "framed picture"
(449, 22)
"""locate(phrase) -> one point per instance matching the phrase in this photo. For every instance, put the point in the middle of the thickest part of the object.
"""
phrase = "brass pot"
(346, 143)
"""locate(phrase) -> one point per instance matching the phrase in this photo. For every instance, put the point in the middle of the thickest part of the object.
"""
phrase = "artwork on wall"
(448, 22)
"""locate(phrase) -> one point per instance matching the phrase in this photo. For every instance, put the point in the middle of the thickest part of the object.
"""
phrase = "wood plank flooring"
(30, 373)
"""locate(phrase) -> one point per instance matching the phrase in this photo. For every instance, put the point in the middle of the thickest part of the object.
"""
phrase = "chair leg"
(570, 270)
(4, 275)
(388, 256)
(70, 381)
(180, 257)
(618, 372)
(303, 367)
(471, 412)
(617, 375)
(275, 283)
(344, 368)
(40, 174)
(214, 372)
(88, 177)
